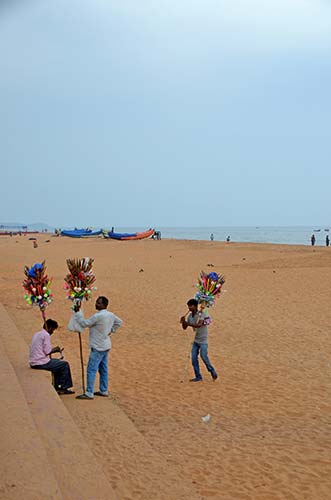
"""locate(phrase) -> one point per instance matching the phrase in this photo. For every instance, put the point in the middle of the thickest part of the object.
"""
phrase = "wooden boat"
(80, 233)
(131, 236)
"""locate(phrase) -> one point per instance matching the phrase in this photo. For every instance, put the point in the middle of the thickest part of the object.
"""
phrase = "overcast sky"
(164, 113)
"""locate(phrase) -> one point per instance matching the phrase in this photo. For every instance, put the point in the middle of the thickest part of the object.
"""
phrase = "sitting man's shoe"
(65, 391)
(102, 394)
(196, 379)
(214, 376)
(83, 396)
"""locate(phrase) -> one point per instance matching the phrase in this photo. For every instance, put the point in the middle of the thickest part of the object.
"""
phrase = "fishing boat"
(81, 233)
(130, 236)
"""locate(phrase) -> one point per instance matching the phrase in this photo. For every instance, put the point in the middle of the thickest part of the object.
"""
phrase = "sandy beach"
(269, 436)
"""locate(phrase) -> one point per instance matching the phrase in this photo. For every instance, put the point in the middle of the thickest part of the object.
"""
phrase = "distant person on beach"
(156, 235)
(228, 239)
(40, 358)
(101, 325)
(200, 343)
(312, 240)
(211, 237)
(327, 240)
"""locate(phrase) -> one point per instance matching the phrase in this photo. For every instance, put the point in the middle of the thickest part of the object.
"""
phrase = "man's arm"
(185, 324)
(117, 324)
(85, 323)
(47, 347)
(54, 350)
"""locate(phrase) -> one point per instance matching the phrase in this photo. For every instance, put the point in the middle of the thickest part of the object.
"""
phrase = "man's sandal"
(99, 393)
(83, 396)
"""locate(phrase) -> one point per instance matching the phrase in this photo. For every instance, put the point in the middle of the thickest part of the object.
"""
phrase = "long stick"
(188, 356)
(43, 314)
(81, 361)
(187, 363)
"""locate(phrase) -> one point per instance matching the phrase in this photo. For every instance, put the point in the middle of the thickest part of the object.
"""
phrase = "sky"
(165, 113)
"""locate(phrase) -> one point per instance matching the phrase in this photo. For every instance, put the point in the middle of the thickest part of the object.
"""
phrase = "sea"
(285, 235)
(295, 235)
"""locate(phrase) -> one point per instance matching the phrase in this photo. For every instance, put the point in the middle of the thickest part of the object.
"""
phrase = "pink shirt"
(40, 348)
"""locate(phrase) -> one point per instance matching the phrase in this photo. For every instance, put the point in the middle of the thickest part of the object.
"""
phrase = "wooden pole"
(43, 314)
(81, 361)
(44, 318)
(187, 363)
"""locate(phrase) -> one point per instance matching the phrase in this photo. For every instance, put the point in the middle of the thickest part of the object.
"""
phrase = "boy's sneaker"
(214, 376)
(196, 379)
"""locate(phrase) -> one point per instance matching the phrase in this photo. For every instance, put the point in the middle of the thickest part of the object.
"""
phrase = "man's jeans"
(61, 371)
(98, 362)
(203, 348)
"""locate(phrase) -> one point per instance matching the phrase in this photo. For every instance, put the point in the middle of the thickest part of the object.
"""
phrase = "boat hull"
(131, 236)
(80, 233)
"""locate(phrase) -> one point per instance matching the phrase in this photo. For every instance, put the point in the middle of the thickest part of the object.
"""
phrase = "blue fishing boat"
(81, 233)
(131, 236)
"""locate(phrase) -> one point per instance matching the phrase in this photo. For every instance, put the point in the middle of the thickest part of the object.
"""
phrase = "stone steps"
(25, 470)
(44, 430)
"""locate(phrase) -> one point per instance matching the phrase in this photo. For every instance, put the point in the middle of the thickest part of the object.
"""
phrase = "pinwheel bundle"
(37, 287)
(79, 282)
(209, 286)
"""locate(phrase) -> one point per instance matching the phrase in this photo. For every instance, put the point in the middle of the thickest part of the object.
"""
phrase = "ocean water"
(296, 235)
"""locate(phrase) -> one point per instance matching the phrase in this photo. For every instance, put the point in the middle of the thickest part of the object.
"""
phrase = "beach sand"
(269, 436)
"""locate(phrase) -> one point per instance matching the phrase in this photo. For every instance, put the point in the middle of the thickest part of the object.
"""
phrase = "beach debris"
(206, 418)
(210, 265)
(141, 270)
(37, 287)
(244, 258)
(47, 241)
(35, 244)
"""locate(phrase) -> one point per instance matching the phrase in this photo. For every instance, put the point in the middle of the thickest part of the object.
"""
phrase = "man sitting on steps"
(40, 352)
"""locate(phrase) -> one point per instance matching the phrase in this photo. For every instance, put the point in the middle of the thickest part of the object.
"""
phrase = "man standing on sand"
(101, 325)
(40, 352)
(200, 344)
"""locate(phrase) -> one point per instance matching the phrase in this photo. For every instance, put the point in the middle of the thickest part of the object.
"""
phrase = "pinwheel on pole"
(79, 284)
(37, 287)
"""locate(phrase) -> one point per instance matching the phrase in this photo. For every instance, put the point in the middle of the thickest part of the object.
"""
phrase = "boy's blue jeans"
(98, 362)
(203, 349)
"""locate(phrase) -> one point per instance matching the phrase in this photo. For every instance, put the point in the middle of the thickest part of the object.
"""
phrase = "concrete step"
(76, 469)
(25, 470)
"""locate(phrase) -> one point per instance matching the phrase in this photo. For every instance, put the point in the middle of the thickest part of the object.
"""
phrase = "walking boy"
(200, 344)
